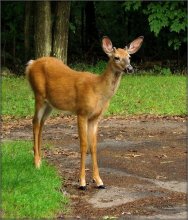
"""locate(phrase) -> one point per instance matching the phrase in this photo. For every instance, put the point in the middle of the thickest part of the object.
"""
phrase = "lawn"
(27, 192)
(156, 95)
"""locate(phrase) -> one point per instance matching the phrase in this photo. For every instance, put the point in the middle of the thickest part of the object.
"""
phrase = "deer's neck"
(110, 80)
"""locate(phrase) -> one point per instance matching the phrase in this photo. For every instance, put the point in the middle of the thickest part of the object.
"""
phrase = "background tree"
(84, 31)
(12, 33)
(61, 30)
(27, 29)
(169, 16)
(91, 37)
(163, 24)
(42, 36)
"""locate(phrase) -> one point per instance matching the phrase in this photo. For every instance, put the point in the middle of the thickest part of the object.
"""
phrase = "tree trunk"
(91, 31)
(61, 30)
(27, 29)
(42, 29)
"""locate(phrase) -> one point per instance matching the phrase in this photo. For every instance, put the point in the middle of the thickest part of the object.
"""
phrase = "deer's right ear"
(107, 46)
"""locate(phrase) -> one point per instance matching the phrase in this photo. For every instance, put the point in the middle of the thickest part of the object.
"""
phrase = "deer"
(87, 95)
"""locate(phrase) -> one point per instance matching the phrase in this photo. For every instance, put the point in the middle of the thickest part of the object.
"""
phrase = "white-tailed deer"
(87, 95)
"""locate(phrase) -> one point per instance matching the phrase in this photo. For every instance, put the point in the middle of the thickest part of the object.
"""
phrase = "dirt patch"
(142, 162)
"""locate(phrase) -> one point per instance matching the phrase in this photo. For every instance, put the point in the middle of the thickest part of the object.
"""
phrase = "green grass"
(138, 94)
(17, 97)
(156, 95)
(27, 192)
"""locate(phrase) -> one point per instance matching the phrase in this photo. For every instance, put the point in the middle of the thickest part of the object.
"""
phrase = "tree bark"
(61, 30)
(42, 36)
(27, 29)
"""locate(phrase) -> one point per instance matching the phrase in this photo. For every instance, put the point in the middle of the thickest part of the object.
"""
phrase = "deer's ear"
(135, 45)
(107, 45)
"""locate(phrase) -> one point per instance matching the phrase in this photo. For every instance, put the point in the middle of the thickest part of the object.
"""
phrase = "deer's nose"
(130, 69)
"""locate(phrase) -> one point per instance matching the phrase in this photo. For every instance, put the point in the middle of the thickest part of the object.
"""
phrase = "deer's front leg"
(82, 130)
(92, 140)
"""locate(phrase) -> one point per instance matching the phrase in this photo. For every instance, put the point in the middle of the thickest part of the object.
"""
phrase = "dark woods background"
(72, 31)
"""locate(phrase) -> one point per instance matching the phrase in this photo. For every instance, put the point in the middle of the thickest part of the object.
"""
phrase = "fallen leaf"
(167, 162)
(109, 217)
(126, 213)
(136, 155)
(160, 177)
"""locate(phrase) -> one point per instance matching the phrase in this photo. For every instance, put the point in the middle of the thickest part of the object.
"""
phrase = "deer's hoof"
(83, 188)
(38, 163)
(101, 187)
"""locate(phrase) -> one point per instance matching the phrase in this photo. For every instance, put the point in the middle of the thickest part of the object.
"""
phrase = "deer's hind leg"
(42, 110)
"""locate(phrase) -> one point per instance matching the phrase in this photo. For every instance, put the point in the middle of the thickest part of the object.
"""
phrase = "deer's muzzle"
(130, 69)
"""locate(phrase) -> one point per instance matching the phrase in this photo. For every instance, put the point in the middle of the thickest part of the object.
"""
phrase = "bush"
(162, 71)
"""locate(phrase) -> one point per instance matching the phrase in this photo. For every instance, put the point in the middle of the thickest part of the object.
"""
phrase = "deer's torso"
(58, 84)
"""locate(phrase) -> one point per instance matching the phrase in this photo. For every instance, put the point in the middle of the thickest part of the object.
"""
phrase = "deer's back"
(51, 79)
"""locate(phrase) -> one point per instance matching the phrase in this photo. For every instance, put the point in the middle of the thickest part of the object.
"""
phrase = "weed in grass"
(27, 192)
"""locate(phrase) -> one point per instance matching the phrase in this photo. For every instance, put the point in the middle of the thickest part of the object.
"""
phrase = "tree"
(11, 32)
(91, 33)
(83, 30)
(27, 27)
(169, 16)
(42, 36)
(44, 27)
(61, 30)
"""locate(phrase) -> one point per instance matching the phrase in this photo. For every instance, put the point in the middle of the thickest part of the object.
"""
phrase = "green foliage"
(132, 5)
(27, 192)
(171, 15)
(162, 71)
(98, 68)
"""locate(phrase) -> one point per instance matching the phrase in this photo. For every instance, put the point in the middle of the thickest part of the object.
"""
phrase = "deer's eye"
(116, 58)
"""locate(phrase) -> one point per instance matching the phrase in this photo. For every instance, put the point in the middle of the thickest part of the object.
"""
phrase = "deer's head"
(121, 57)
